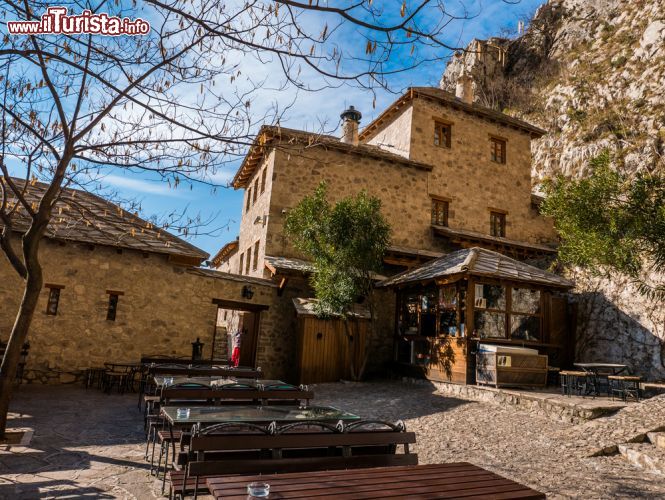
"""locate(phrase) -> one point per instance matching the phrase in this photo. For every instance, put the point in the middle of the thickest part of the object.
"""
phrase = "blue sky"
(309, 111)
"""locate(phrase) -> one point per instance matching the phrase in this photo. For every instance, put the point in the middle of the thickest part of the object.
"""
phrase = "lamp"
(261, 219)
(247, 292)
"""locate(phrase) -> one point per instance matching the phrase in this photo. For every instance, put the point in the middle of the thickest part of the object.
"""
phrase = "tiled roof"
(276, 264)
(225, 252)
(306, 307)
(288, 264)
(269, 135)
(451, 100)
(478, 262)
(84, 217)
(212, 273)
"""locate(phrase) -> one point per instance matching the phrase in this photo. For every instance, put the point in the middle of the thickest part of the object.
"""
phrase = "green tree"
(612, 221)
(346, 242)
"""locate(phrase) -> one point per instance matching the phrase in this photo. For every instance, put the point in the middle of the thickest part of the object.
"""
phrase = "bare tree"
(173, 102)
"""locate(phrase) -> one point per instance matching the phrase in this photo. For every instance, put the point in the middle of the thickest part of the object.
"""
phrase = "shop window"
(448, 310)
(497, 150)
(525, 300)
(490, 297)
(53, 299)
(498, 224)
(428, 303)
(490, 324)
(442, 134)
(525, 318)
(440, 212)
(524, 327)
(490, 310)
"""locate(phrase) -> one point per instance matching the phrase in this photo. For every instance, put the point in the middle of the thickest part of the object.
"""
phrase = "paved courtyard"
(90, 445)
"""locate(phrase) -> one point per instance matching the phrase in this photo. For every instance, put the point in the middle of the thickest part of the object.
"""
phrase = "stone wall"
(252, 231)
(617, 324)
(465, 174)
(402, 190)
(163, 309)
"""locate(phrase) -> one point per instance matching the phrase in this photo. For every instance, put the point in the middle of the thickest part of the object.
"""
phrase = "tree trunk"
(350, 348)
(369, 336)
(33, 286)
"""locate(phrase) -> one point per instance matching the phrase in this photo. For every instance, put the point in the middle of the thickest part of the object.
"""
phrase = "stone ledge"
(550, 404)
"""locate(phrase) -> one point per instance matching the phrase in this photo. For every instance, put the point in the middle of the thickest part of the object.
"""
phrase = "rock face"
(591, 73)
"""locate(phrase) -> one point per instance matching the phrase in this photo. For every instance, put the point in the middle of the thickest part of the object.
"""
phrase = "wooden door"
(559, 333)
(250, 328)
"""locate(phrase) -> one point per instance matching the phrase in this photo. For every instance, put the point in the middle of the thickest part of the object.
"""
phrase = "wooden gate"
(326, 351)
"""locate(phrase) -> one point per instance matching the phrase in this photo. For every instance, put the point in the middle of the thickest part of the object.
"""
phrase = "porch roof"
(306, 307)
(478, 262)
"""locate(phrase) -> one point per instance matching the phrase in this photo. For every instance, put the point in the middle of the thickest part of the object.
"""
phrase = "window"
(241, 262)
(497, 150)
(113, 304)
(497, 224)
(248, 260)
(439, 212)
(507, 312)
(442, 134)
(256, 256)
(263, 180)
(525, 314)
(256, 190)
(249, 199)
(490, 310)
(53, 299)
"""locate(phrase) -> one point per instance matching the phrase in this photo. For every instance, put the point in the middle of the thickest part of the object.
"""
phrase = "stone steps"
(645, 456)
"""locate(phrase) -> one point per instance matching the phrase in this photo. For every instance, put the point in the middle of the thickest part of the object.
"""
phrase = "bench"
(298, 447)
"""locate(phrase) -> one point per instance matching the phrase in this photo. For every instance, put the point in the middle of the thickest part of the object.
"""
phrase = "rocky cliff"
(591, 73)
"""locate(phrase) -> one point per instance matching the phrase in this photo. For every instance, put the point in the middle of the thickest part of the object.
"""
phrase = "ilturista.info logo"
(56, 21)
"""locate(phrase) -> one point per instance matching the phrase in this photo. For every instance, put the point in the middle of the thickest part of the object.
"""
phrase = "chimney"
(464, 88)
(350, 121)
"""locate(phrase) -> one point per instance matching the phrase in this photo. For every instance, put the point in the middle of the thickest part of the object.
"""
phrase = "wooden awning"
(468, 239)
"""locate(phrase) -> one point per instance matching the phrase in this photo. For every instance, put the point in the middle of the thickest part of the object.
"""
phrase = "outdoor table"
(452, 480)
(208, 415)
(160, 380)
(129, 368)
(256, 414)
(598, 367)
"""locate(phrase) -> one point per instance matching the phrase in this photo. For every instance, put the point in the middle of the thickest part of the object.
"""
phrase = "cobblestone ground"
(90, 445)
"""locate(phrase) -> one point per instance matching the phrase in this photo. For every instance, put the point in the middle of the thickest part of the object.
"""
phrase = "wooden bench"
(298, 447)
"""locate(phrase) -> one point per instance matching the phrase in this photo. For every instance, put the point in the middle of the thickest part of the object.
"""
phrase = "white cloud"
(142, 186)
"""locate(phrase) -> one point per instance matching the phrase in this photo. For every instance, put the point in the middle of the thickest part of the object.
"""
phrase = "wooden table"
(453, 480)
(596, 368)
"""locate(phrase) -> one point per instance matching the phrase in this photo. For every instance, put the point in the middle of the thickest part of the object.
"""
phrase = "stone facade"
(162, 309)
(399, 163)
(465, 174)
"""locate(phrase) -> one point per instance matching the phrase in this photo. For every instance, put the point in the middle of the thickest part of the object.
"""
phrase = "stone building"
(116, 288)
(450, 174)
